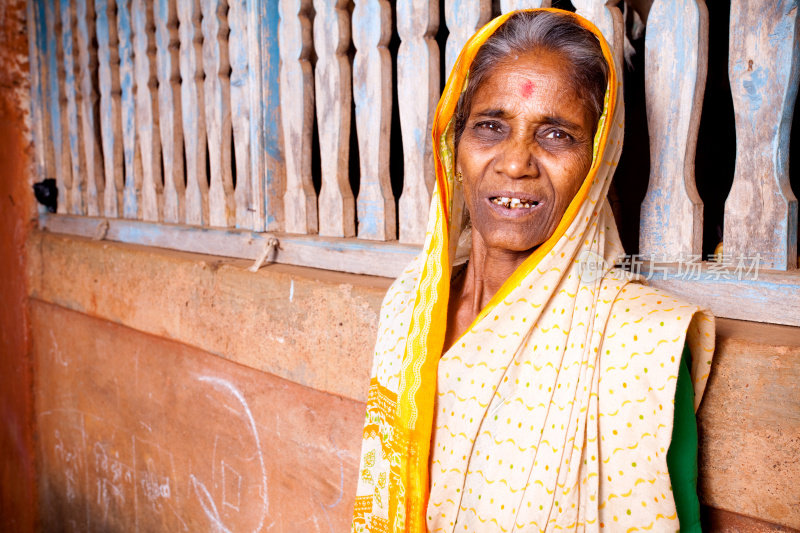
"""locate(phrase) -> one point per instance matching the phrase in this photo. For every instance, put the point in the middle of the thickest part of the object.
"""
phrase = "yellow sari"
(554, 410)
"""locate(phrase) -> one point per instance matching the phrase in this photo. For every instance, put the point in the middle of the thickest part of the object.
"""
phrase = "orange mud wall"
(17, 472)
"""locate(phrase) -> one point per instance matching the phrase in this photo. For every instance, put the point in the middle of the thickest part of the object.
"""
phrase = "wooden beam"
(764, 68)
(241, 114)
(131, 197)
(463, 18)
(676, 59)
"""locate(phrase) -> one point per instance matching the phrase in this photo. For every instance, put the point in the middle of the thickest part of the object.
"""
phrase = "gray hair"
(530, 30)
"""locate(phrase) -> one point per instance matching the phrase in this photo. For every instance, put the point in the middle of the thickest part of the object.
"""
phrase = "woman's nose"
(517, 159)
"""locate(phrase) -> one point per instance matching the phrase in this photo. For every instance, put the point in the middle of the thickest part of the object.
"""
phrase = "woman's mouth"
(513, 203)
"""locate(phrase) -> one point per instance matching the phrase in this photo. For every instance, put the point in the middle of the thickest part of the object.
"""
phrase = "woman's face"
(525, 150)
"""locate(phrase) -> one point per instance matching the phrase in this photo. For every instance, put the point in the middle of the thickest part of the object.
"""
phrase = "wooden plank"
(240, 88)
(511, 5)
(221, 206)
(131, 201)
(463, 18)
(37, 58)
(110, 110)
(333, 98)
(77, 205)
(763, 66)
(87, 62)
(676, 59)
(372, 92)
(386, 259)
(418, 82)
(192, 111)
(147, 119)
(55, 99)
(297, 115)
(608, 19)
(169, 109)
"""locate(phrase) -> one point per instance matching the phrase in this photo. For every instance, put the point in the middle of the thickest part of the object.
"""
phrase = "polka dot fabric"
(554, 410)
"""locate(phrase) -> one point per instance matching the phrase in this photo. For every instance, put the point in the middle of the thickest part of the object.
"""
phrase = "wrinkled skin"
(528, 136)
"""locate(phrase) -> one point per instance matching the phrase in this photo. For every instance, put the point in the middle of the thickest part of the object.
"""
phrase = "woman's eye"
(488, 125)
(558, 135)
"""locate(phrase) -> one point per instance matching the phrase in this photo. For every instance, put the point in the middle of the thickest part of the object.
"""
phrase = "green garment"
(682, 453)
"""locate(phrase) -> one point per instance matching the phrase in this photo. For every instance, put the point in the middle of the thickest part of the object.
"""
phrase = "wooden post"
(149, 146)
(372, 91)
(676, 58)
(57, 111)
(463, 18)
(608, 19)
(511, 5)
(221, 207)
(763, 65)
(110, 118)
(418, 92)
(192, 111)
(169, 109)
(333, 97)
(77, 205)
(240, 111)
(133, 171)
(37, 57)
(297, 115)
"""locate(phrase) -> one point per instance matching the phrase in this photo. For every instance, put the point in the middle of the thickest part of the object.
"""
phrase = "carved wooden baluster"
(131, 205)
(608, 19)
(511, 5)
(418, 93)
(87, 62)
(56, 102)
(192, 111)
(221, 206)
(372, 91)
(110, 118)
(37, 54)
(240, 110)
(333, 96)
(297, 115)
(463, 18)
(77, 205)
(676, 57)
(761, 210)
(169, 109)
(146, 105)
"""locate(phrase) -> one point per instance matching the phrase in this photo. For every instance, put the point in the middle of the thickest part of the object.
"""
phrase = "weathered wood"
(221, 206)
(87, 61)
(77, 205)
(676, 59)
(764, 67)
(110, 117)
(297, 115)
(56, 106)
(333, 98)
(418, 92)
(386, 259)
(169, 109)
(372, 92)
(608, 19)
(37, 58)
(240, 87)
(131, 201)
(147, 118)
(192, 111)
(463, 18)
(511, 5)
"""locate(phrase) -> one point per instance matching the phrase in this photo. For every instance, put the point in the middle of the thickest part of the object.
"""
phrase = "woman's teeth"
(513, 203)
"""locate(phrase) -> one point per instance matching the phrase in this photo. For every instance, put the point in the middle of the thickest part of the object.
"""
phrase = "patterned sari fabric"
(554, 411)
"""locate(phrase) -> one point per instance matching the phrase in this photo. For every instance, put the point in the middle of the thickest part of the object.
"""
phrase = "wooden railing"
(191, 124)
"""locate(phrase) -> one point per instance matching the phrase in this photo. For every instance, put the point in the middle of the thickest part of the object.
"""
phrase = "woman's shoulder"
(641, 304)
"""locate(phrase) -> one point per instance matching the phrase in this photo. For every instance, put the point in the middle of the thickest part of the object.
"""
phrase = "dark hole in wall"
(441, 39)
(396, 160)
(233, 163)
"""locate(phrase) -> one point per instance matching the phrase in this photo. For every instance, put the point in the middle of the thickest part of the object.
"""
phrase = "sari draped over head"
(554, 410)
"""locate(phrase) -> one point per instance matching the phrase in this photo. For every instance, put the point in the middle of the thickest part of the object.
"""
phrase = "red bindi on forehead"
(527, 88)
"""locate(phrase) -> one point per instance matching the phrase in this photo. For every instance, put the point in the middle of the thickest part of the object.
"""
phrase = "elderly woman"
(522, 390)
